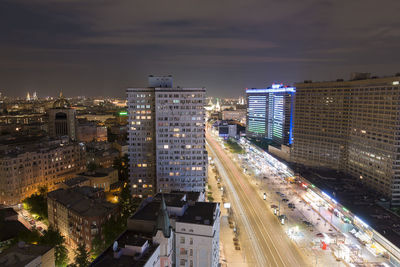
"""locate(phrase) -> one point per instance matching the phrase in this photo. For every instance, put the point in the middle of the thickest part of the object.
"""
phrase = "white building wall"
(197, 245)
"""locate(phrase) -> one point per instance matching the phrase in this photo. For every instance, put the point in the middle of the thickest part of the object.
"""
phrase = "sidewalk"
(229, 256)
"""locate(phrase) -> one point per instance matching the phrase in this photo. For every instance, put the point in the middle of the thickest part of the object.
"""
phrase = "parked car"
(285, 200)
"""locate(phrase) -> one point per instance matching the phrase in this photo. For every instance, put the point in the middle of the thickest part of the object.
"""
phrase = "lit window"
(140, 180)
(176, 129)
(166, 147)
(134, 186)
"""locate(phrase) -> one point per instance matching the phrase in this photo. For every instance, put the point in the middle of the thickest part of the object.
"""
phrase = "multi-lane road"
(270, 245)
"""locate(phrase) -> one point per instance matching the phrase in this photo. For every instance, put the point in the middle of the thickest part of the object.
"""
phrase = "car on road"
(291, 205)
(278, 193)
(32, 222)
(307, 223)
(282, 218)
(320, 235)
(285, 200)
(273, 206)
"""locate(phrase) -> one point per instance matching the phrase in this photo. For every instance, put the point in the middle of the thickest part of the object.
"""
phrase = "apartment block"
(29, 164)
(166, 138)
(270, 113)
(351, 126)
(79, 212)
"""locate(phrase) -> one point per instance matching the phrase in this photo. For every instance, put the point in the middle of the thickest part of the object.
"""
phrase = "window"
(182, 240)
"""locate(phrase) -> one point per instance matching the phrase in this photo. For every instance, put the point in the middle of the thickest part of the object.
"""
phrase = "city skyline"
(101, 49)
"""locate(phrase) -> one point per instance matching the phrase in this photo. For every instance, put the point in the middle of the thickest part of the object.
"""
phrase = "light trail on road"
(269, 237)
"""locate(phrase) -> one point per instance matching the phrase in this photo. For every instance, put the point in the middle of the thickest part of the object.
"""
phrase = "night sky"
(98, 48)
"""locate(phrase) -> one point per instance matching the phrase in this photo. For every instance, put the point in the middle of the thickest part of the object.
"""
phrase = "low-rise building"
(237, 115)
(139, 248)
(88, 131)
(195, 226)
(101, 178)
(79, 212)
(121, 146)
(28, 256)
(103, 158)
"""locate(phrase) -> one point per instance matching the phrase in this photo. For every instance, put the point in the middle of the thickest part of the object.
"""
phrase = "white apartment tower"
(166, 138)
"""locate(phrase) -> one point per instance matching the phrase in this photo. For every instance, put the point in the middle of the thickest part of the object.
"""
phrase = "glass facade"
(269, 113)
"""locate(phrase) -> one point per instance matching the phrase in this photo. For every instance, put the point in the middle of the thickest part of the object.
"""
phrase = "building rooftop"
(128, 238)
(75, 181)
(7, 212)
(86, 201)
(188, 210)
(355, 79)
(200, 213)
(21, 254)
(360, 200)
(101, 172)
(11, 229)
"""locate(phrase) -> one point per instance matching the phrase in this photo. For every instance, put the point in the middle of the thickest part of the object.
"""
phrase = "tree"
(43, 190)
(82, 256)
(54, 239)
(37, 203)
(92, 166)
(121, 164)
(126, 201)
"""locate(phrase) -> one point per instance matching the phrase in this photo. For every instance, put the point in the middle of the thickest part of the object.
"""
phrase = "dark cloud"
(99, 47)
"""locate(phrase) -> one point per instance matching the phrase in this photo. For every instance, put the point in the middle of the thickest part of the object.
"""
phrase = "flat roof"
(130, 238)
(17, 256)
(200, 213)
(82, 200)
(357, 198)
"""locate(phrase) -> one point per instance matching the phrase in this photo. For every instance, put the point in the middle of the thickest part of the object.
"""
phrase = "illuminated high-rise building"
(166, 138)
(270, 113)
(352, 126)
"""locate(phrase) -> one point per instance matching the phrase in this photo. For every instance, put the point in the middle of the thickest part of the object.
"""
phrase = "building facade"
(41, 164)
(195, 228)
(237, 115)
(352, 126)
(62, 119)
(166, 137)
(270, 113)
(79, 213)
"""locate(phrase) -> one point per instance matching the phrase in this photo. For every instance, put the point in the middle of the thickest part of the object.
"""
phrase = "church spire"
(162, 222)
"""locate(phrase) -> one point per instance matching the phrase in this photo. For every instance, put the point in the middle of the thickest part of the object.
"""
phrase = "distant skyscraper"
(166, 138)
(352, 126)
(269, 113)
(34, 97)
(28, 97)
(62, 119)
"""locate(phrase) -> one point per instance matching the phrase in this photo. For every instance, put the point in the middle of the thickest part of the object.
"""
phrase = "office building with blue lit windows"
(270, 113)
